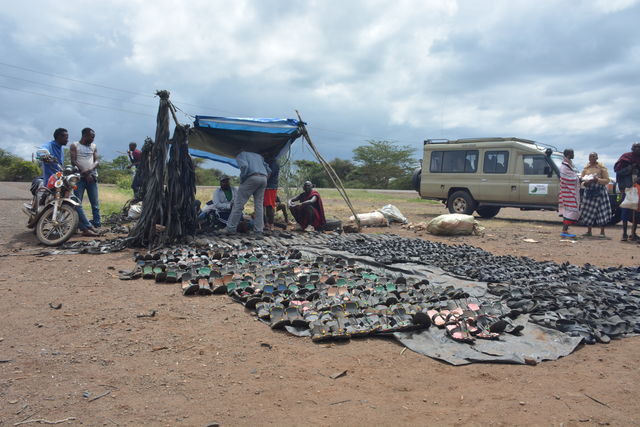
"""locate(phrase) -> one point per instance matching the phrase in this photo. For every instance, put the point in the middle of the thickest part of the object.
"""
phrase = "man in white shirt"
(221, 203)
(84, 155)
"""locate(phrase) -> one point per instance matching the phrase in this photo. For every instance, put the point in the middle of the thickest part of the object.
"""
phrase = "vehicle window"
(436, 161)
(557, 159)
(496, 162)
(534, 164)
(454, 161)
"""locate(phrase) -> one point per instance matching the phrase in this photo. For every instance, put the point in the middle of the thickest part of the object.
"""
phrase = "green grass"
(113, 198)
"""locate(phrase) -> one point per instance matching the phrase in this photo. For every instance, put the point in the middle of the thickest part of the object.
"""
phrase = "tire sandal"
(459, 332)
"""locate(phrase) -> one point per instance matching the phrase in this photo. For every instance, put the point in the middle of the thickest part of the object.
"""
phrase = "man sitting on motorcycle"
(51, 164)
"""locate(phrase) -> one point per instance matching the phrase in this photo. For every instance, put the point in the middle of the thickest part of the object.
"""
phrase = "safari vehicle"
(486, 174)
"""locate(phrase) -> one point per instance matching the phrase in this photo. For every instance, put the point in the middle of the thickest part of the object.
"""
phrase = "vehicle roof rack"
(483, 140)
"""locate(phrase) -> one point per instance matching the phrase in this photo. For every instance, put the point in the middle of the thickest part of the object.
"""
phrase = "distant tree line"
(379, 164)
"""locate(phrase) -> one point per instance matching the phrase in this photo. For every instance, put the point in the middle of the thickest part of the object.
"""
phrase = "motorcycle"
(52, 212)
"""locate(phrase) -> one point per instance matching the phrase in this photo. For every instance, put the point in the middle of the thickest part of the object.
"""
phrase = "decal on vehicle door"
(541, 189)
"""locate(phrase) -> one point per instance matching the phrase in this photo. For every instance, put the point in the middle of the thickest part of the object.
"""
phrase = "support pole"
(330, 171)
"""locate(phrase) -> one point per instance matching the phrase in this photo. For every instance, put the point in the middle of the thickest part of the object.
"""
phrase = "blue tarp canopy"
(222, 138)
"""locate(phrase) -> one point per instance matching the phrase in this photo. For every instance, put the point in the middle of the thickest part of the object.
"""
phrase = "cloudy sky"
(564, 73)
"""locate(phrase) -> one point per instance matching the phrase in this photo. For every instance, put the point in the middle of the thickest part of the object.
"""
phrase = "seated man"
(219, 207)
(307, 208)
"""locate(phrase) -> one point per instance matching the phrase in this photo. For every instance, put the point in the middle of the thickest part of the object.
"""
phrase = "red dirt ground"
(205, 360)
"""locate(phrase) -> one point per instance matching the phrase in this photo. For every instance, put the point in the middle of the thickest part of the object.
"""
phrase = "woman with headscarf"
(595, 209)
(569, 195)
(626, 169)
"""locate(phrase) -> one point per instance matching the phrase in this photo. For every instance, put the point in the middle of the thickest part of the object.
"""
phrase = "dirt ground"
(205, 360)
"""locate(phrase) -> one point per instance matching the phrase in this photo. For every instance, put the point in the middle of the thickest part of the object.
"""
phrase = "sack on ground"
(371, 219)
(135, 211)
(630, 199)
(454, 225)
(393, 214)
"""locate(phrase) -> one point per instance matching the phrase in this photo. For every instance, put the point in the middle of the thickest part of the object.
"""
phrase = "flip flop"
(278, 317)
(147, 271)
(171, 274)
(188, 286)
(319, 332)
(458, 332)
(204, 287)
(263, 310)
(438, 318)
(294, 317)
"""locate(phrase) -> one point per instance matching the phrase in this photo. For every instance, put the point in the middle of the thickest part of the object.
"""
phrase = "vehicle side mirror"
(547, 171)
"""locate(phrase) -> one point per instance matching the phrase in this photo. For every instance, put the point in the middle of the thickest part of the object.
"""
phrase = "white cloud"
(560, 72)
(612, 6)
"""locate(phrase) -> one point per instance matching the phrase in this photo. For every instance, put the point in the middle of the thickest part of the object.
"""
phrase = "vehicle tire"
(51, 233)
(461, 202)
(416, 178)
(488, 212)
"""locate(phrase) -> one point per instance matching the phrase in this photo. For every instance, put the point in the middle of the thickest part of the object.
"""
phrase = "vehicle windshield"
(557, 160)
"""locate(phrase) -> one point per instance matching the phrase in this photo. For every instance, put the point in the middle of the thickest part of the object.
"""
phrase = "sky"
(565, 73)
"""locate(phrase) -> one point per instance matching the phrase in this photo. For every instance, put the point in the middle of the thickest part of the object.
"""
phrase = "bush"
(124, 182)
(19, 170)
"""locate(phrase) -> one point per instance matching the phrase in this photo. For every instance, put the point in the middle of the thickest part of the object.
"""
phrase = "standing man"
(84, 155)
(627, 168)
(569, 196)
(253, 180)
(51, 164)
(135, 156)
(271, 192)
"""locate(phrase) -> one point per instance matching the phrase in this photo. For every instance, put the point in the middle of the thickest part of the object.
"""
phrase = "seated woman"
(307, 208)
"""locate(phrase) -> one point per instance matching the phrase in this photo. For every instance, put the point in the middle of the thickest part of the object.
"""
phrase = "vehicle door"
(535, 186)
(495, 177)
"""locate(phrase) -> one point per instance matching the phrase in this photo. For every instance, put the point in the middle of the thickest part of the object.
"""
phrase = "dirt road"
(205, 360)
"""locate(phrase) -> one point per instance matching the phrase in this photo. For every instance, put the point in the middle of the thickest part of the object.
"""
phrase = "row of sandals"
(329, 297)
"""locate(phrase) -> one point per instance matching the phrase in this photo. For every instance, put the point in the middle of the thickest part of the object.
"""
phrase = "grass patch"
(113, 198)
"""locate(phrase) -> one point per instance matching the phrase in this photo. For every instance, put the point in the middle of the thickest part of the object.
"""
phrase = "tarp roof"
(222, 138)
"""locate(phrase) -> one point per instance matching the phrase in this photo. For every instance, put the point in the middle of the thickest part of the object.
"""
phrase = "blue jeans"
(92, 192)
(253, 185)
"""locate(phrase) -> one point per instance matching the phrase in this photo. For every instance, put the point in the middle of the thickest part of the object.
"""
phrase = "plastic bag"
(630, 199)
(135, 211)
(454, 225)
(393, 214)
(372, 219)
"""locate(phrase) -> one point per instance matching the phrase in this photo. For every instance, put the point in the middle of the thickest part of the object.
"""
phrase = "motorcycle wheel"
(51, 232)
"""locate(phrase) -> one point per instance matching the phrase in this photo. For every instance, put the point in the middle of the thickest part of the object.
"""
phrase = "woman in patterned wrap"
(595, 209)
(569, 195)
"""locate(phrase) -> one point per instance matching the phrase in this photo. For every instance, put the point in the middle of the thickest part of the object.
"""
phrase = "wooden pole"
(330, 171)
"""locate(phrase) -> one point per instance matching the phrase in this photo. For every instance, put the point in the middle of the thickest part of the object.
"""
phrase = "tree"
(121, 163)
(381, 162)
(308, 170)
(343, 168)
(13, 168)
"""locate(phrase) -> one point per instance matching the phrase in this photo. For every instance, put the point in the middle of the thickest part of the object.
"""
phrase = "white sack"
(371, 219)
(135, 211)
(393, 214)
(454, 225)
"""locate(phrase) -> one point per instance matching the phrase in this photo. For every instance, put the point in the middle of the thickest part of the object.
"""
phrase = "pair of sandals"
(195, 285)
